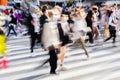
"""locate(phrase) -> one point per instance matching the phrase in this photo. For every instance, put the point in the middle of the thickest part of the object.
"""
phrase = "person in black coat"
(31, 32)
(42, 21)
(47, 39)
(12, 23)
(89, 24)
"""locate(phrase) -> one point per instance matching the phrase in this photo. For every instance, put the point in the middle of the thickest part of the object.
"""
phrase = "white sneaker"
(114, 45)
(90, 44)
(32, 54)
(63, 68)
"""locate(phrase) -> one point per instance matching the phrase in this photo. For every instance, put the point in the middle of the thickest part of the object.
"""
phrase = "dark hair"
(94, 9)
(114, 4)
(44, 7)
(66, 12)
(109, 12)
(43, 10)
(90, 13)
(11, 11)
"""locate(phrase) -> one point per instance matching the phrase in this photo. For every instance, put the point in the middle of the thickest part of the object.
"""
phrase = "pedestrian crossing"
(103, 64)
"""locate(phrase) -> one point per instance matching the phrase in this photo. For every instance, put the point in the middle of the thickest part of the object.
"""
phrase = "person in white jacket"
(112, 27)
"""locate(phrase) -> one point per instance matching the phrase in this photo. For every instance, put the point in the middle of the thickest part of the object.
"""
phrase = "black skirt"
(64, 38)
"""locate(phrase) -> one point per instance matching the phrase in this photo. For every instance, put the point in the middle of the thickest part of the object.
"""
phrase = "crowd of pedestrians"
(56, 28)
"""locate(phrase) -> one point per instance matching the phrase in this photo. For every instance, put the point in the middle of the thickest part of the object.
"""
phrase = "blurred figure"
(43, 17)
(4, 62)
(112, 27)
(34, 28)
(89, 24)
(64, 29)
(80, 27)
(95, 22)
(12, 23)
(50, 40)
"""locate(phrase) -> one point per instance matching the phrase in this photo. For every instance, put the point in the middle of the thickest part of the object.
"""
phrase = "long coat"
(50, 35)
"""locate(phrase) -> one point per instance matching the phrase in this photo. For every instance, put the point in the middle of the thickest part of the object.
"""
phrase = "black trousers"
(11, 27)
(91, 40)
(53, 60)
(34, 37)
(112, 35)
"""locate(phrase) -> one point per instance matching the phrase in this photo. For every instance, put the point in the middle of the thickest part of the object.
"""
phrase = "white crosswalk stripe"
(104, 62)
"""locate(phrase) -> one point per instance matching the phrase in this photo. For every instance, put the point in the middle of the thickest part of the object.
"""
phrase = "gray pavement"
(104, 62)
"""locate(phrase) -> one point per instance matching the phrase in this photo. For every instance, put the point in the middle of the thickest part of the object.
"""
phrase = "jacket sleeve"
(61, 33)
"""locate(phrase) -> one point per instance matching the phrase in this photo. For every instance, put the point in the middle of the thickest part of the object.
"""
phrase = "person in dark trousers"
(42, 21)
(48, 36)
(36, 28)
(89, 24)
(53, 60)
(32, 33)
(12, 23)
(112, 27)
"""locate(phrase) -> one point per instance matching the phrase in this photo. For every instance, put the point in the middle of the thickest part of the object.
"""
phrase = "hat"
(94, 7)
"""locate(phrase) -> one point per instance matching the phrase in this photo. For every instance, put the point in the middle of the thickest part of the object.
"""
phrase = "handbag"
(2, 44)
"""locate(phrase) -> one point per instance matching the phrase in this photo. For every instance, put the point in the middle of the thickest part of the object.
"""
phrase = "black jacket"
(13, 19)
(30, 25)
(42, 20)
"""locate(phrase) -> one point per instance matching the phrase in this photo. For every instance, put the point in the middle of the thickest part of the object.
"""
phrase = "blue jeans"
(11, 27)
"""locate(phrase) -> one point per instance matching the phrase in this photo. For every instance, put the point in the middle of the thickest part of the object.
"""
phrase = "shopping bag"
(2, 44)
(107, 33)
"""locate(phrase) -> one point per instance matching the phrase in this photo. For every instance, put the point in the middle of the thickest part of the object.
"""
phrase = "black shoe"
(114, 45)
(52, 72)
(104, 40)
(32, 51)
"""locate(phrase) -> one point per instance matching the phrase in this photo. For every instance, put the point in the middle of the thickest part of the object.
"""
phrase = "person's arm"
(2, 29)
(31, 20)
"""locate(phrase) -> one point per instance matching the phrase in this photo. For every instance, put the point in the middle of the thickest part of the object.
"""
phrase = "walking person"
(95, 22)
(50, 41)
(12, 24)
(43, 17)
(35, 28)
(112, 27)
(64, 29)
(4, 61)
(80, 26)
(89, 24)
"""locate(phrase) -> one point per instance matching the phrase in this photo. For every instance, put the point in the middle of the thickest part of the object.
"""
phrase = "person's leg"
(62, 55)
(32, 42)
(90, 37)
(114, 36)
(53, 61)
(96, 33)
(9, 29)
(20, 27)
(38, 37)
(109, 36)
(83, 46)
(13, 29)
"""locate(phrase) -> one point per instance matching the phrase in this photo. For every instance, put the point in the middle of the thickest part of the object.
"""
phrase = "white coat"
(50, 36)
